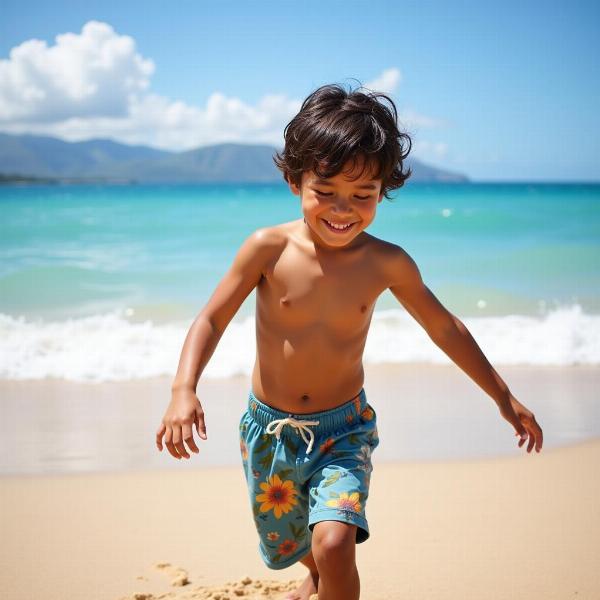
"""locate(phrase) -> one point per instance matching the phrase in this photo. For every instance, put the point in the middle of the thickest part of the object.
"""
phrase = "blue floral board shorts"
(305, 468)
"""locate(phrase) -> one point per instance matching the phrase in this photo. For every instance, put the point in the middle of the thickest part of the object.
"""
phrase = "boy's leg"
(338, 492)
(309, 562)
(334, 544)
(334, 552)
(310, 585)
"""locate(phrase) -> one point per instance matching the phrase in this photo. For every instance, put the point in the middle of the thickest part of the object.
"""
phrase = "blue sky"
(496, 90)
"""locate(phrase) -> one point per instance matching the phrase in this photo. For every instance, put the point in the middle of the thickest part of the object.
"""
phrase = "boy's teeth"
(336, 226)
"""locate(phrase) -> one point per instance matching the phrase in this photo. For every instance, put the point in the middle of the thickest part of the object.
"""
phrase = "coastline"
(425, 413)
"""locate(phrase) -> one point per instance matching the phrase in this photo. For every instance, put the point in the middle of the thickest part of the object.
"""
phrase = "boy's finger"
(159, 434)
(536, 434)
(523, 435)
(188, 437)
(539, 437)
(178, 442)
(200, 425)
(169, 443)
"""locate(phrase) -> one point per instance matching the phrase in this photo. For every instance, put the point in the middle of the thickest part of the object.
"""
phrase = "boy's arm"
(208, 327)
(450, 334)
(202, 338)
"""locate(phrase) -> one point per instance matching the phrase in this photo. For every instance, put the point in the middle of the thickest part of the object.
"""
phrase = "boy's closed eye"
(331, 194)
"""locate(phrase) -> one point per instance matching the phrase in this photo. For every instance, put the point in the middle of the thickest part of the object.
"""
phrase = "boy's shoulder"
(385, 250)
(265, 244)
(393, 261)
(272, 237)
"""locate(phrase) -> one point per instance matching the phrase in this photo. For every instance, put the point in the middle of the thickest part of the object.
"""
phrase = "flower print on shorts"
(243, 449)
(367, 414)
(327, 446)
(287, 547)
(345, 501)
(278, 496)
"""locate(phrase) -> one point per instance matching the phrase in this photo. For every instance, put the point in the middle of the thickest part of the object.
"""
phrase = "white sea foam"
(110, 347)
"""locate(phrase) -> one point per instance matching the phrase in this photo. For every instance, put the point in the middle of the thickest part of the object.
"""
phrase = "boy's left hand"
(524, 423)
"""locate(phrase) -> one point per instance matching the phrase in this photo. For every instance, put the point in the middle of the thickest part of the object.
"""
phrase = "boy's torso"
(313, 311)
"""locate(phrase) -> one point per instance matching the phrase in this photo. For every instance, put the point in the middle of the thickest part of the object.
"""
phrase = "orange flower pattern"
(346, 501)
(327, 446)
(278, 496)
(287, 547)
(367, 414)
(243, 450)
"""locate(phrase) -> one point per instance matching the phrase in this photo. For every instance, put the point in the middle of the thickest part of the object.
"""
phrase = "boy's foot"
(307, 588)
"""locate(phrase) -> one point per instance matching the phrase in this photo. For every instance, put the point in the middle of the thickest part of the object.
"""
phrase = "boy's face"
(336, 210)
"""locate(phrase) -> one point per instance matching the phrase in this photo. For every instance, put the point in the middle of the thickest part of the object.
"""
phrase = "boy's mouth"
(338, 227)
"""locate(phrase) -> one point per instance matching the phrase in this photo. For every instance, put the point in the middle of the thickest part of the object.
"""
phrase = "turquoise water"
(153, 254)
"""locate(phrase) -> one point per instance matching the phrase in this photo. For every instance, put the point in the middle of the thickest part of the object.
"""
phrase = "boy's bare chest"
(301, 290)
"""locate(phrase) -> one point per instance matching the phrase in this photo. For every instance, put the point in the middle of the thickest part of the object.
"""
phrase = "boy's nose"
(341, 205)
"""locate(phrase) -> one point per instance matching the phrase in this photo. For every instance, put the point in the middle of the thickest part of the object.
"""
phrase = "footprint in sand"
(178, 574)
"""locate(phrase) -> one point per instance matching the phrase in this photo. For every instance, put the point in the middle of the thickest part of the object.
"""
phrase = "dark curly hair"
(334, 126)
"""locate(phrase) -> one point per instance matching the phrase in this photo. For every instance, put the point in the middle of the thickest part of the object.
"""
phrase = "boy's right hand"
(176, 425)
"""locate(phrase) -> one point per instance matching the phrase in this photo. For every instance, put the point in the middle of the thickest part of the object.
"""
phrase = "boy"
(307, 435)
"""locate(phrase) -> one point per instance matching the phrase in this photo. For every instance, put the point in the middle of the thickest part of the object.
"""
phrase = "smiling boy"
(308, 433)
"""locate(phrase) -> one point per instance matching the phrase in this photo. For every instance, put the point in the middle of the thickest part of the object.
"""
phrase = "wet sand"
(424, 413)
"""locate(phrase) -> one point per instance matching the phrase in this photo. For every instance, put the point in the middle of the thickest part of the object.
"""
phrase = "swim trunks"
(305, 468)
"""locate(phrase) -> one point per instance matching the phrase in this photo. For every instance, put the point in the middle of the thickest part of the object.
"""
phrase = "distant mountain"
(28, 156)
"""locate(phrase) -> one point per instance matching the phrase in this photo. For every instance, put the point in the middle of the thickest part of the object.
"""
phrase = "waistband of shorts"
(329, 420)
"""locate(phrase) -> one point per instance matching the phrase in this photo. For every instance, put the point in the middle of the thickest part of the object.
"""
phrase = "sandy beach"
(517, 526)
(520, 528)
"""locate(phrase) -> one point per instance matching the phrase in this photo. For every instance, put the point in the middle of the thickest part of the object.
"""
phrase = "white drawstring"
(277, 425)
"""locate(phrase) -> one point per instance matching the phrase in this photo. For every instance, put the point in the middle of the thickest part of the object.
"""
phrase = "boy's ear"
(295, 189)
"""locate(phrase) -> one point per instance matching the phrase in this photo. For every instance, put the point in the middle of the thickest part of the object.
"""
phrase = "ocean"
(102, 282)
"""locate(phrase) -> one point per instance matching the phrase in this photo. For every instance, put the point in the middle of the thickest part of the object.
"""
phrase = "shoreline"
(425, 414)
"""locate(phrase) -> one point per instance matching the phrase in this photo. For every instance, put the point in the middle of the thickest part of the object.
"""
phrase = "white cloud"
(387, 82)
(174, 125)
(426, 149)
(91, 74)
(96, 84)
(414, 120)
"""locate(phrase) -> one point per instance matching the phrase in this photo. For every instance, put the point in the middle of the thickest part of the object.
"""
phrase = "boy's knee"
(333, 541)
